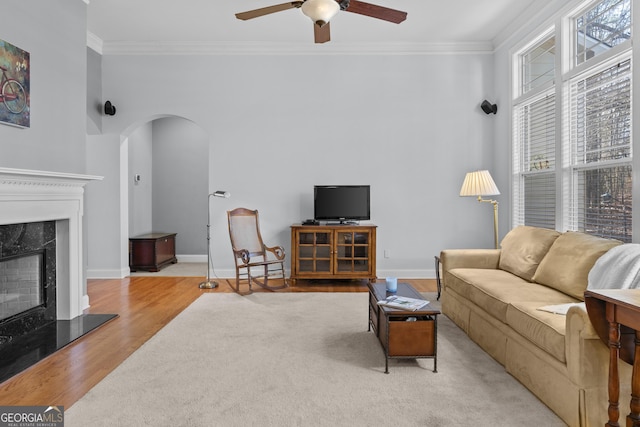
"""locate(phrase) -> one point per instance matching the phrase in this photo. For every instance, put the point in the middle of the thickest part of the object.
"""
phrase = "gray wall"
(170, 155)
(180, 168)
(103, 207)
(54, 33)
(410, 126)
(141, 192)
(95, 104)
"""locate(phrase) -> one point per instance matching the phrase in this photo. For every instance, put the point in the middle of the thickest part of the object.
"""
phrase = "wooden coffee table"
(401, 337)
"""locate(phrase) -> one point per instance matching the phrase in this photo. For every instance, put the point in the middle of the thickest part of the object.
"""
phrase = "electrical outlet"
(387, 253)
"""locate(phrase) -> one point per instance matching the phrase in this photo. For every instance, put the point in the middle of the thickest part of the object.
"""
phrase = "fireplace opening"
(27, 278)
(21, 284)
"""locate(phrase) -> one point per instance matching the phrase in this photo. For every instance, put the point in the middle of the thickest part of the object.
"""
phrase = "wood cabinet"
(152, 251)
(333, 252)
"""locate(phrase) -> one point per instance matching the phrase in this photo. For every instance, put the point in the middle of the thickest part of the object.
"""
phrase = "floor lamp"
(209, 284)
(480, 183)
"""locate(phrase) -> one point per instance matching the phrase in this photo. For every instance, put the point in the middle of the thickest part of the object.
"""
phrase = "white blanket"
(619, 268)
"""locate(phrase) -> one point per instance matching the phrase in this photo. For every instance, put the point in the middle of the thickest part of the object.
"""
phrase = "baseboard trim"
(230, 273)
(408, 274)
(191, 258)
(108, 274)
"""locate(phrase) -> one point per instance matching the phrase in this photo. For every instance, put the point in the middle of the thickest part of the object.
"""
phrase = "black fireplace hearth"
(31, 348)
(29, 328)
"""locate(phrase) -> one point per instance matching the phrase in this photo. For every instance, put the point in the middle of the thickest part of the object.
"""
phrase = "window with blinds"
(572, 143)
(534, 152)
(536, 160)
(600, 151)
(538, 65)
(601, 27)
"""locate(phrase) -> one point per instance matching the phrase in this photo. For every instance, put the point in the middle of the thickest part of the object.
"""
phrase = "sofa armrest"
(587, 356)
(469, 258)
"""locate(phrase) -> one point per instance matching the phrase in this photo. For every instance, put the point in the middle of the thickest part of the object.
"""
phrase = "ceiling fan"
(321, 12)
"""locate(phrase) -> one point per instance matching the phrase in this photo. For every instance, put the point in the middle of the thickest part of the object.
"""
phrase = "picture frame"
(15, 85)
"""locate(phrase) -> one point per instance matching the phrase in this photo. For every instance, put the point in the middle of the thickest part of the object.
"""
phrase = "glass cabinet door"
(314, 251)
(352, 251)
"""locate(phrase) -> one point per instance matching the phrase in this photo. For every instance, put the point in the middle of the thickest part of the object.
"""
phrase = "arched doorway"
(172, 156)
(167, 182)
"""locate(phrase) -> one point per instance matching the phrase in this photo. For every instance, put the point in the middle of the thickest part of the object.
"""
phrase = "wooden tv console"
(333, 252)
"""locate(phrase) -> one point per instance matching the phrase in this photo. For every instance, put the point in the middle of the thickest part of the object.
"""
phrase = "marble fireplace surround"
(33, 196)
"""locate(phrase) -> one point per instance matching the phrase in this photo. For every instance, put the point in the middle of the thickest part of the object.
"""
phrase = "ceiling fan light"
(320, 11)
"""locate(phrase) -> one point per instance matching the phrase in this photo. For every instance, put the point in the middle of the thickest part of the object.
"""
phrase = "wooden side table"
(400, 336)
(615, 315)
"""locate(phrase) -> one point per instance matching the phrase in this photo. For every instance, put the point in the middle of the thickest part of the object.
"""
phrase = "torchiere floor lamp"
(209, 284)
(480, 183)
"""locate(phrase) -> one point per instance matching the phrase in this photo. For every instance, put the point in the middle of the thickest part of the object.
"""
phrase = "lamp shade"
(320, 11)
(479, 183)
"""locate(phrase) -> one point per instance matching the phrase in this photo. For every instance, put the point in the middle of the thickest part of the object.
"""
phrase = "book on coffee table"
(403, 303)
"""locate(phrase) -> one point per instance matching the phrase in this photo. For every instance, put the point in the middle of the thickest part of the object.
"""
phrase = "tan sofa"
(494, 295)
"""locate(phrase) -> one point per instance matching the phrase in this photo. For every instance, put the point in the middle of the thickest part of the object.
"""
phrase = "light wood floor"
(144, 306)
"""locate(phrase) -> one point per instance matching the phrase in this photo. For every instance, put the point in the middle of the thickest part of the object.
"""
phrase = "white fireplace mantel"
(32, 196)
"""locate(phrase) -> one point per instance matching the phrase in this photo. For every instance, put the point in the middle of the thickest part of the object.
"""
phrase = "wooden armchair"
(255, 262)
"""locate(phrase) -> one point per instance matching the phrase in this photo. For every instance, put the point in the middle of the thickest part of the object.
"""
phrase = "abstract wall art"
(14, 85)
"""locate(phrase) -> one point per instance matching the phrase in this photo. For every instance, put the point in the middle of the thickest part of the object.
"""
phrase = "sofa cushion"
(545, 330)
(463, 280)
(494, 290)
(523, 248)
(567, 264)
(456, 279)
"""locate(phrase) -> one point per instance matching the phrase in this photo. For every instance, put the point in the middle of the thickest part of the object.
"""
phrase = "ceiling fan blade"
(267, 10)
(375, 11)
(322, 34)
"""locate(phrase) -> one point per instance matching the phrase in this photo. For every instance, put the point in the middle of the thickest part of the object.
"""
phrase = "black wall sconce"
(488, 107)
(109, 109)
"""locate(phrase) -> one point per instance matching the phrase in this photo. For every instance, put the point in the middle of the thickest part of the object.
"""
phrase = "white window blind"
(603, 202)
(600, 152)
(536, 163)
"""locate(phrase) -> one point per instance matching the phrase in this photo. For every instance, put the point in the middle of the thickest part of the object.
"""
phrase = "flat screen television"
(343, 203)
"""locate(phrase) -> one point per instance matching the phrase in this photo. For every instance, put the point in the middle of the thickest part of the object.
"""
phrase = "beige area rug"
(179, 269)
(300, 359)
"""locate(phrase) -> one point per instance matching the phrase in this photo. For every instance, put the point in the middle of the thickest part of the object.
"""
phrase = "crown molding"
(266, 48)
(94, 42)
(531, 14)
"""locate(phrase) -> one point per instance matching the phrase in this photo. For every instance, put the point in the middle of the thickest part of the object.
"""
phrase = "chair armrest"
(243, 254)
(278, 251)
